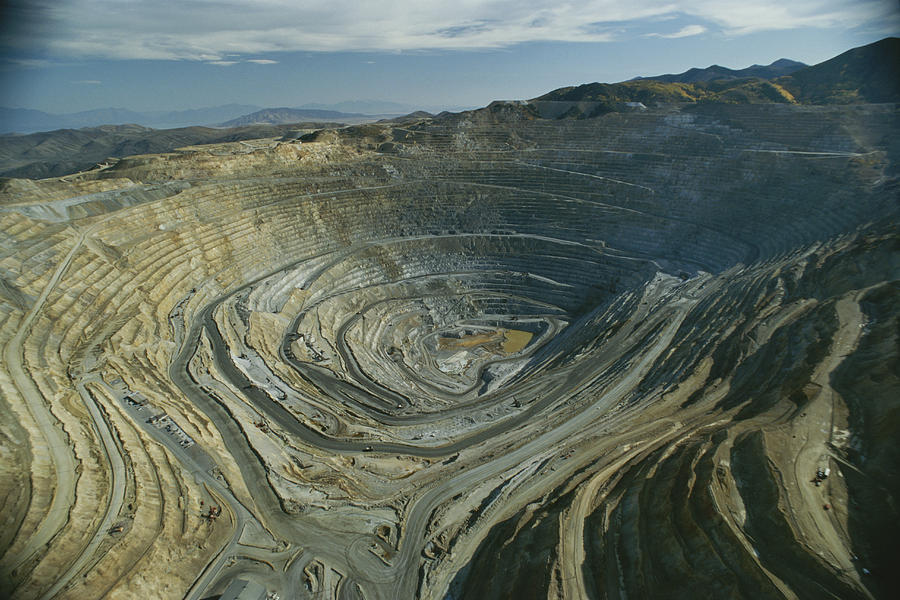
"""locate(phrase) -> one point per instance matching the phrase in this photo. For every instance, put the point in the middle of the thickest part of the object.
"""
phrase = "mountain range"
(779, 68)
(868, 74)
(863, 75)
(277, 116)
(366, 107)
(24, 120)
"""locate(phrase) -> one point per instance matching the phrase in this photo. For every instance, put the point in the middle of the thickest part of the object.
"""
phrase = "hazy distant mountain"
(384, 108)
(410, 118)
(275, 116)
(200, 116)
(367, 107)
(778, 68)
(23, 120)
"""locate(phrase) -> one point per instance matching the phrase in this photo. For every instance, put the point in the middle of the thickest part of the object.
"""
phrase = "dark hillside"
(869, 74)
(866, 74)
(779, 68)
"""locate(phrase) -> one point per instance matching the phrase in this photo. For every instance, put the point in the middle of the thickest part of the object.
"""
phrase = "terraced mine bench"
(602, 353)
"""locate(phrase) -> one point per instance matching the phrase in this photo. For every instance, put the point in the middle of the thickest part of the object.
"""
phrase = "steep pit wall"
(674, 267)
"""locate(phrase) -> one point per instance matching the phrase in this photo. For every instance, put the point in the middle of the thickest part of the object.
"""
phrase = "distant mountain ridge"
(779, 68)
(277, 116)
(366, 107)
(862, 75)
(24, 120)
(868, 74)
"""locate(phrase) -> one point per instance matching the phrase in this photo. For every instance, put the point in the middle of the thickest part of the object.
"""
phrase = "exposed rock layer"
(332, 324)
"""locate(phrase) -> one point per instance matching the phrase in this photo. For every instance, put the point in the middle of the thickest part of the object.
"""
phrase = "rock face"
(484, 355)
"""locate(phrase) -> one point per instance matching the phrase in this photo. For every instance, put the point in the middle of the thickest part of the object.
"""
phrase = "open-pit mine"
(492, 354)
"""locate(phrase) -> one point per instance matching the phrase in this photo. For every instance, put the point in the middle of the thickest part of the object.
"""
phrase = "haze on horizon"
(72, 55)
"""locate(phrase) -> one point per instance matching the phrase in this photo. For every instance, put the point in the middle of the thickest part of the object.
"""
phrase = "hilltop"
(55, 153)
(863, 75)
(779, 68)
(866, 74)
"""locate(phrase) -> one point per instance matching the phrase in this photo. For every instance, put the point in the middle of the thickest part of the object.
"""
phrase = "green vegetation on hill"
(611, 96)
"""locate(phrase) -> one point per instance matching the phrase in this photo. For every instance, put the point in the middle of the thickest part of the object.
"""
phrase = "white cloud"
(686, 31)
(222, 63)
(29, 63)
(219, 30)
(262, 61)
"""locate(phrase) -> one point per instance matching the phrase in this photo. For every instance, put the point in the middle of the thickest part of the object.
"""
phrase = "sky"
(64, 56)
